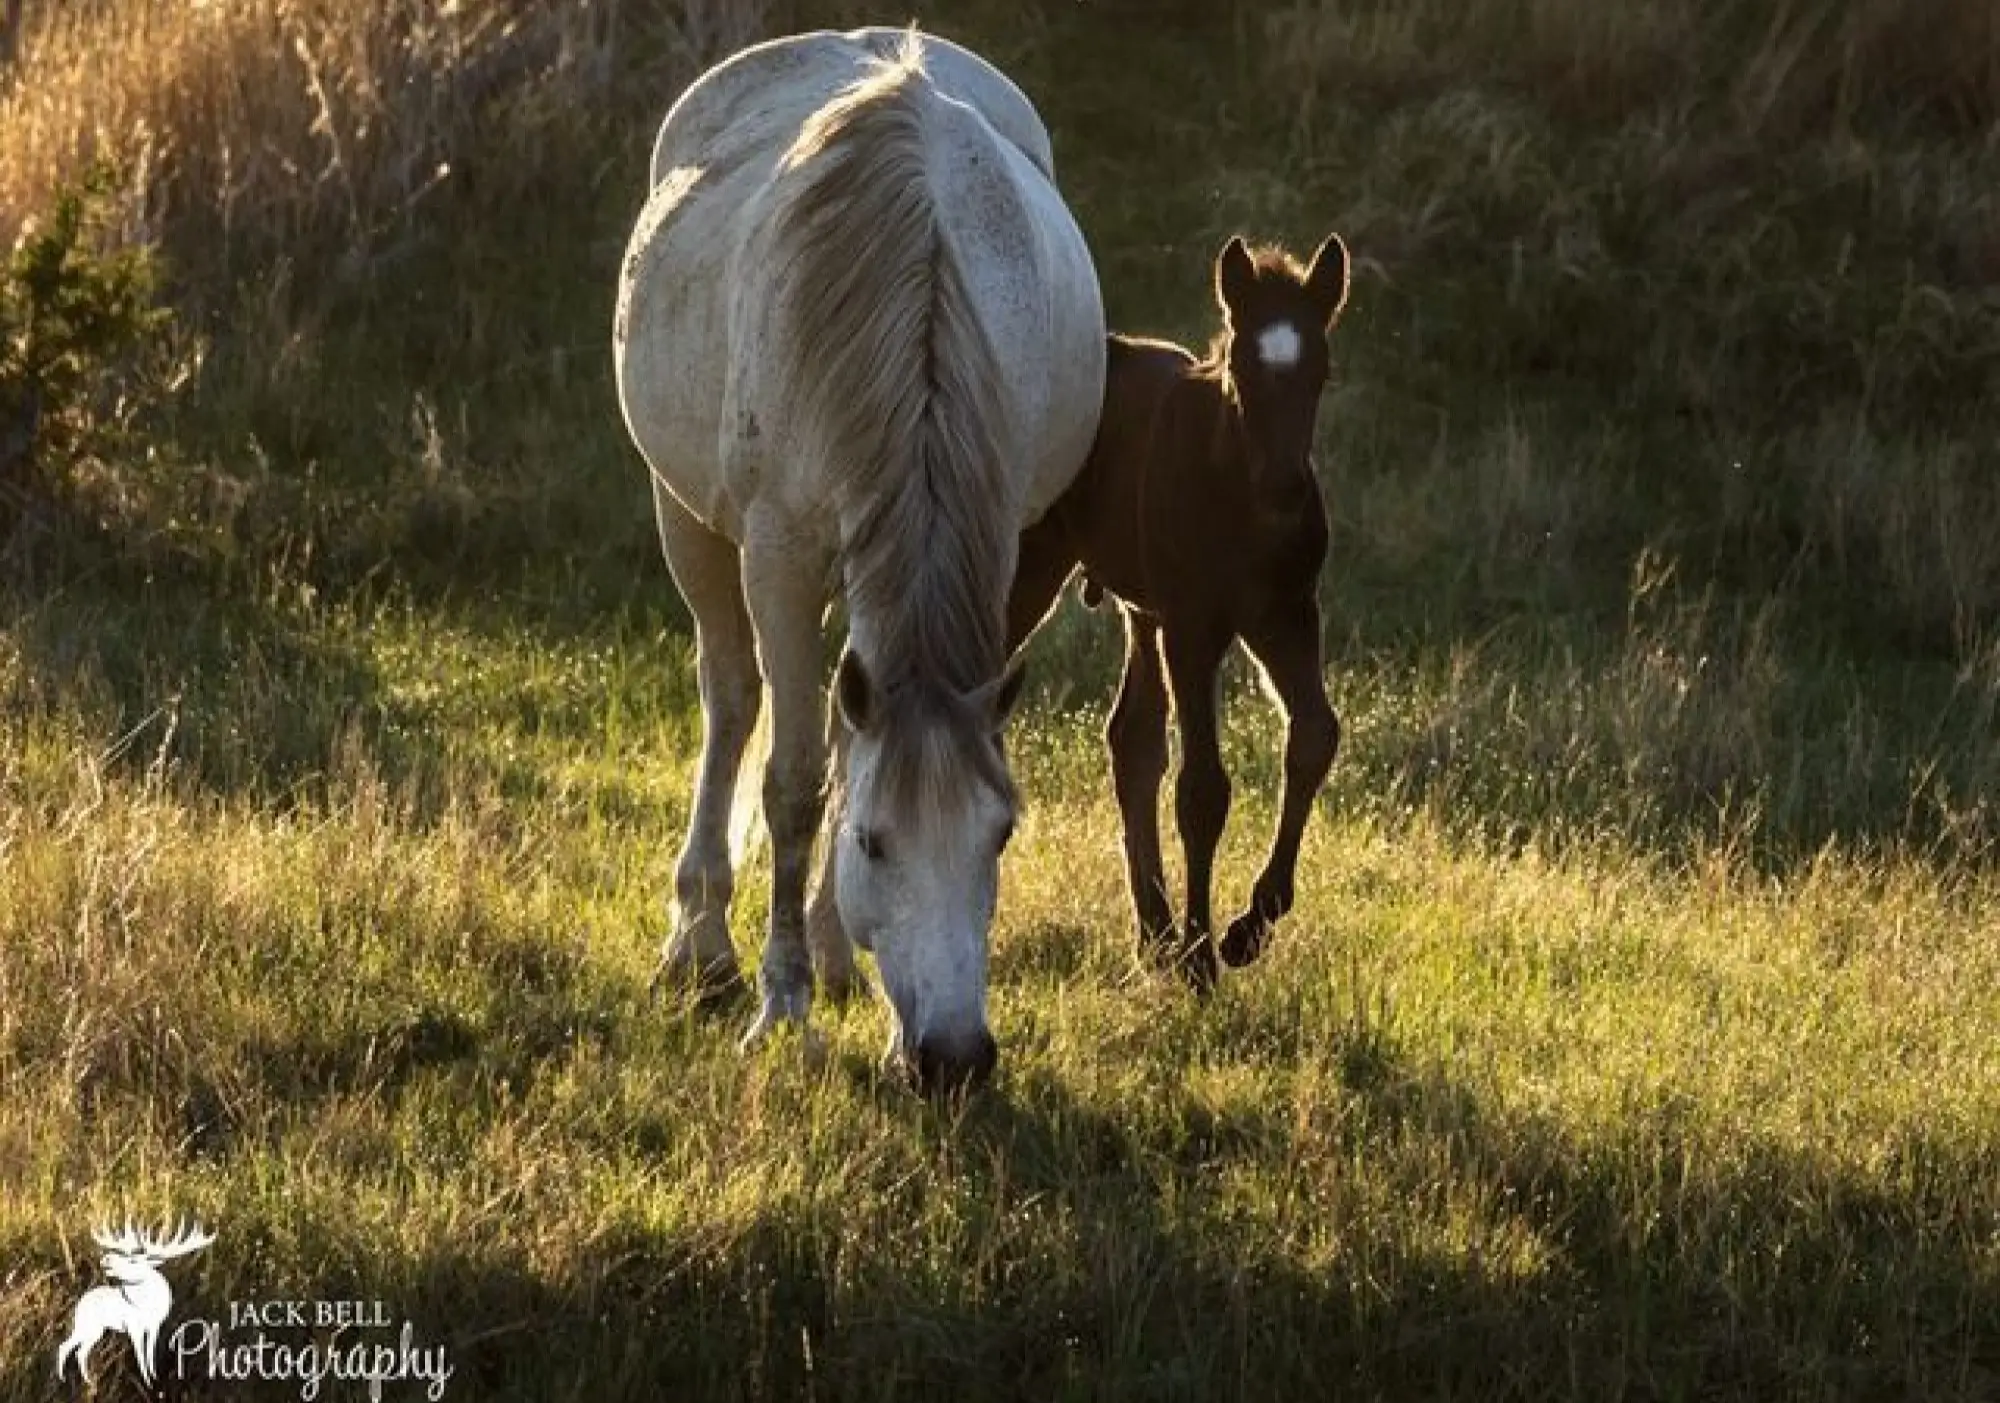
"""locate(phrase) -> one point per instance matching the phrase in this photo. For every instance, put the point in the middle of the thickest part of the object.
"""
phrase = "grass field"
(1637, 1034)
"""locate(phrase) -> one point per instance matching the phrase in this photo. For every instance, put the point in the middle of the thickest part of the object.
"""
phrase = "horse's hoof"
(758, 1033)
(813, 1048)
(782, 1005)
(707, 985)
(841, 990)
(1244, 941)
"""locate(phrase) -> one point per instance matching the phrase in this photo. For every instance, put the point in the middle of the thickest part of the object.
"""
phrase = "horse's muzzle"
(946, 1064)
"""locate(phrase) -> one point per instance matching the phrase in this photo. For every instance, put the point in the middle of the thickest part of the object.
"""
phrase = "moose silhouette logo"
(136, 1302)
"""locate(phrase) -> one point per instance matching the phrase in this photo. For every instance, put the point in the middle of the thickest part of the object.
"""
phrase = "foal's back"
(1162, 515)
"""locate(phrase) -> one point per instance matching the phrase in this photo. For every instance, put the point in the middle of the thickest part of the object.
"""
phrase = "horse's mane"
(896, 387)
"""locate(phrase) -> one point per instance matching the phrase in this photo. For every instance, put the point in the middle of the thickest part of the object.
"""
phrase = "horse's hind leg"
(706, 566)
(1201, 792)
(1137, 737)
(1288, 648)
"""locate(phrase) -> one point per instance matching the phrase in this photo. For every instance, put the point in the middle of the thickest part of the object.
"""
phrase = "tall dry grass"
(319, 129)
(1779, 66)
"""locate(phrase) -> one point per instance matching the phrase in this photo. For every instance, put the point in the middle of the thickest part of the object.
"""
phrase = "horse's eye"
(870, 843)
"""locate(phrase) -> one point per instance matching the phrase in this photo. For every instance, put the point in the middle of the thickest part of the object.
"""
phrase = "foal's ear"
(1326, 279)
(854, 693)
(1235, 274)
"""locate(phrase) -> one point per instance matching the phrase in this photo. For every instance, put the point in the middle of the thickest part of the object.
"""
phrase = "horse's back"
(779, 83)
(693, 349)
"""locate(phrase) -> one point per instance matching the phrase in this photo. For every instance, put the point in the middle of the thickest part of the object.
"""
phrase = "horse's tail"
(893, 381)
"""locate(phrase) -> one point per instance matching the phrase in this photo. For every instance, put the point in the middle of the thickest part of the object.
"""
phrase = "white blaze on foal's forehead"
(1278, 345)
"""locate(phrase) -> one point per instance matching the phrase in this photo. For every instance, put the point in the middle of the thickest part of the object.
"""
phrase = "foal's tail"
(893, 381)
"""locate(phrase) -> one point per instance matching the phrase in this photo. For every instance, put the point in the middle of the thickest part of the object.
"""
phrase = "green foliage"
(77, 311)
(83, 339)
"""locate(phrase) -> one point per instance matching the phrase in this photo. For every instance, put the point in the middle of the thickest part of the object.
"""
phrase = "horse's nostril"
(952, 1063)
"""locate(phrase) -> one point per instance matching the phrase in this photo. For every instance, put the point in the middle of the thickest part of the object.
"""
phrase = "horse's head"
(1276, 317)
(928, 807)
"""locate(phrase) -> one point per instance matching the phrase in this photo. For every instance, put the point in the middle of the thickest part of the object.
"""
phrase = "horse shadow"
(1146, 1293)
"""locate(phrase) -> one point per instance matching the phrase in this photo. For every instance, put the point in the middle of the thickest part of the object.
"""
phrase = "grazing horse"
(1198, 509)
(860, 344)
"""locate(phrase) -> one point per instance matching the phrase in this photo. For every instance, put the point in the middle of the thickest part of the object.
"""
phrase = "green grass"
(1637, 1034)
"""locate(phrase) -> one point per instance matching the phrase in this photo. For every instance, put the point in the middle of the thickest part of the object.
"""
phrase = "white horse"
(860, 343)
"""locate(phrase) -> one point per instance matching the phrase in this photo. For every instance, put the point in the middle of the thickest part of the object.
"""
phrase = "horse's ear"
(1009, 692)
(1235, 275)
(854, 693)
(1326, 279)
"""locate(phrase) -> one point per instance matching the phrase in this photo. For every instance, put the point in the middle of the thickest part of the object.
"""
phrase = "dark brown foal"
(1198, 509)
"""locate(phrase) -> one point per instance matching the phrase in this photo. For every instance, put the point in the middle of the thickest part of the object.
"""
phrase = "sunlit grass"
(393, 1035)
(1636, 1033)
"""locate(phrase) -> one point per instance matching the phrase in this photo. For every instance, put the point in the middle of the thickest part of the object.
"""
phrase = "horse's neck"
(918, 640)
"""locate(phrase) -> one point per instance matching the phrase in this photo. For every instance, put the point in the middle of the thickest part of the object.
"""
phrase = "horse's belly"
(671, 339)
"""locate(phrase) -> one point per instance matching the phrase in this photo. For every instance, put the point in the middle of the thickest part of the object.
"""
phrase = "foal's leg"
(706, 566)
(1288, 648)
(787, 596)
(1137, 736)
(1201, 793)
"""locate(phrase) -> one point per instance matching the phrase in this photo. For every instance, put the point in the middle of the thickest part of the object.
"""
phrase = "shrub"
(84, 351)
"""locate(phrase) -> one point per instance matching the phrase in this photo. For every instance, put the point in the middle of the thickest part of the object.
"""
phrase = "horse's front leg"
(785, 588)
(1201, 793)
(1288, 647)
(707, 568)
(1137, 738)
(826, 934)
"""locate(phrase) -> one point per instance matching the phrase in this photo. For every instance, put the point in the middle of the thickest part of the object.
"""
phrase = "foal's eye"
(870, 843)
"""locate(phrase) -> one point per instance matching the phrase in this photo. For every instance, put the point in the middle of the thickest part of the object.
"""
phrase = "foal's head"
(1276, 316)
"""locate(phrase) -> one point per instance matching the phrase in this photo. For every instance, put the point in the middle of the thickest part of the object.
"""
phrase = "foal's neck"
(1218, 387)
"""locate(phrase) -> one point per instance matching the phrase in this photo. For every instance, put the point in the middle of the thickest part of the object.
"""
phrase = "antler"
(124, 1241)
(184, 1241)
(132, 1243)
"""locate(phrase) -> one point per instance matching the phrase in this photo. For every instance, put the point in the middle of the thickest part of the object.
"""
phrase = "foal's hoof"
(1245, 939)
(706, 984)
(1198, 967)
(1191, 957)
